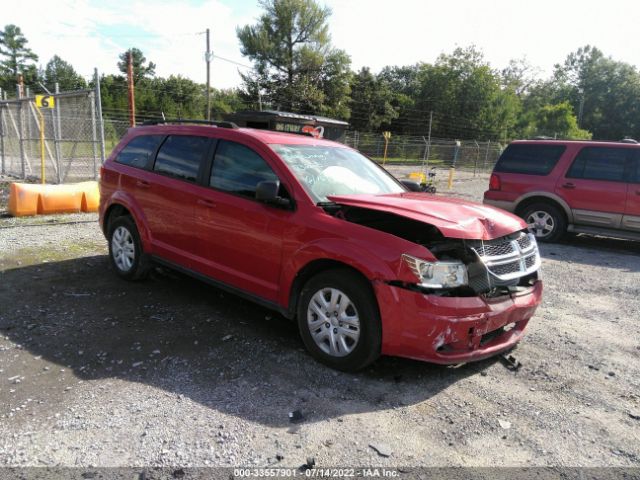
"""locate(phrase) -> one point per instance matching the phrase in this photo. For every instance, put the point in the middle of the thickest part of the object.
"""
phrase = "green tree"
(13, 46)
(370, 102)
(466, 97)
(15, 58)
(607, 91)
(141, 69)
(557, 121)
(63, 73)
(294, 63)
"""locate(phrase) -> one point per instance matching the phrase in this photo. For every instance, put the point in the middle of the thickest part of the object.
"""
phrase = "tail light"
(494, 182)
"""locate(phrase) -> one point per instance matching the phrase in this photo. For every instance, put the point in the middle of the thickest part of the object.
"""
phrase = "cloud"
(91, 34)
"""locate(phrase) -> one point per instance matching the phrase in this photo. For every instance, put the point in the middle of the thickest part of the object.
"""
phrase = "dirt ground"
(98, 372)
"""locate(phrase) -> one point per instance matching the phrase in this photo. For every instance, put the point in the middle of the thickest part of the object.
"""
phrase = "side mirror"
(411, 185)
(267, 192)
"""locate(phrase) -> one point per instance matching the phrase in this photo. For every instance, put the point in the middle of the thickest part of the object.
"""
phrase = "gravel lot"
(95, 371)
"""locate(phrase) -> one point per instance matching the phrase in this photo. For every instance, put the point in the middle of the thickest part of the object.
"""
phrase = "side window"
(600, 163)
(529, 159)
(180, 156)
(238, 169)
(635, 167)
(139, 150)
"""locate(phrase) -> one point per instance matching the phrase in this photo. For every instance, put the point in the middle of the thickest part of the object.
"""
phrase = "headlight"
(449, 274)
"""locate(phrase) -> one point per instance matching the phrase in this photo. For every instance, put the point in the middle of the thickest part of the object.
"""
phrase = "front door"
(240, 239)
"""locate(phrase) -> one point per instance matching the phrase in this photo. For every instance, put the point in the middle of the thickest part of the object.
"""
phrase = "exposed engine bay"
(495, 267)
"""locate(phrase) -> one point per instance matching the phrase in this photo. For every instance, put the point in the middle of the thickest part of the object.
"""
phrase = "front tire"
(339, 321)
(125, 250)
(545, 221)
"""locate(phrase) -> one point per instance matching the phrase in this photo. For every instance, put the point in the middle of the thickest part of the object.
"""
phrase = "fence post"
(98, 99)
(94, 133)
(475, 163)
(21, 139)
(55, 121)
(486, 155)
(2, 136)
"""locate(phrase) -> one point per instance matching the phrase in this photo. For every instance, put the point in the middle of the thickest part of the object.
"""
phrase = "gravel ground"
(95, 371)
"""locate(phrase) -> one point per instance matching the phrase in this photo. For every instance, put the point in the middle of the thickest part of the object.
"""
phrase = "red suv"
(321, 234)
(560, 186)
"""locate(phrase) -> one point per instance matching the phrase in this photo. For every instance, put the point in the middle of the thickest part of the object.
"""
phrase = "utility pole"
(207, 57)
(132, 98)
(20, 86)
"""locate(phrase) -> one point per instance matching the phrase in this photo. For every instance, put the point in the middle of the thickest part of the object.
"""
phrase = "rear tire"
(339, 321)
(547, 222)
(125, 250)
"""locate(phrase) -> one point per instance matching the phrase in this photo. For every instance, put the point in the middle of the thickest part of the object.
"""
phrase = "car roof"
(264, 136)
(591, 143)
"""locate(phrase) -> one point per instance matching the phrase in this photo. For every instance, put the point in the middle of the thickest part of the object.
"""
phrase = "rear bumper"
(449, 330)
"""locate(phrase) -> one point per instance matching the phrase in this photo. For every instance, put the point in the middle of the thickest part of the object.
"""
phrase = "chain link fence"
(467, 155)
(73, 150)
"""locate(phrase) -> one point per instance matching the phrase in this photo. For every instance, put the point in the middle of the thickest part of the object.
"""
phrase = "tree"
(370, 102)
(519, 76)
(16, 58)
(294, 63)
(13, 46)
(140, 67)
(607, 91)
(61, 72)
(556, 121)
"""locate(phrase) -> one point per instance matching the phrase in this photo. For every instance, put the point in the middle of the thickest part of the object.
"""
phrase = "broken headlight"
(449, 274)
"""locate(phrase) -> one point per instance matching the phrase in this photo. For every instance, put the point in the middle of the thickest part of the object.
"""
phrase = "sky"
(91, 33)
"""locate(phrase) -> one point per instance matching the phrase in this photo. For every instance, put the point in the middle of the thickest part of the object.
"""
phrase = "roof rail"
(628, 140)
(223, 124)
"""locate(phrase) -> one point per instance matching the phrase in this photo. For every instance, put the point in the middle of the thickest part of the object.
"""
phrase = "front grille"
(509, 257)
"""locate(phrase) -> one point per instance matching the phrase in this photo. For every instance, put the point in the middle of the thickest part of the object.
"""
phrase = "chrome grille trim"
(507, 259)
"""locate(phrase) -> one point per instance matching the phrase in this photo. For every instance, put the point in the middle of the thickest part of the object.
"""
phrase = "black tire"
(556, 221)
(362, 300)
(140, 265)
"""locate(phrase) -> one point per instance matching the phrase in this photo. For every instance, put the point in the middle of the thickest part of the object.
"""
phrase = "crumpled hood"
(454, 218)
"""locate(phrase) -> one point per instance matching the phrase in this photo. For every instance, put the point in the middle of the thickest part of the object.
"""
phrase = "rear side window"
(238, 169)
(181, 155)
(529, 159)
(600, 163)
(635, 167)
(139, 150)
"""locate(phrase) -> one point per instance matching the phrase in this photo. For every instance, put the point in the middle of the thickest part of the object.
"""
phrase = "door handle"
(637, 192)
(568, 185)
(205, 203)
(143, 184)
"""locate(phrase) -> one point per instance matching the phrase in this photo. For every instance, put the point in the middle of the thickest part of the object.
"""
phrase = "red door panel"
(169, 206)
(240, 241)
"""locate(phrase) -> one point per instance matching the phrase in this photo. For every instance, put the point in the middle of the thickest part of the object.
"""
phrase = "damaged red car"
(318, 232)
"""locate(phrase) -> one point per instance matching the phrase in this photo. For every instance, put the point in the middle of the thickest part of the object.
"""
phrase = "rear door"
(631, 218)
(595, 186)
(171, 196)
(133, 163)
(240, 241)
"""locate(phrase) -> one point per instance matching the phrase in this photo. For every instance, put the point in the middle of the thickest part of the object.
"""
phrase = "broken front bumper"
(451, 330)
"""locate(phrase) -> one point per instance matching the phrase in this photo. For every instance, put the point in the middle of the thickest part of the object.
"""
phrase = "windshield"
(324, 171)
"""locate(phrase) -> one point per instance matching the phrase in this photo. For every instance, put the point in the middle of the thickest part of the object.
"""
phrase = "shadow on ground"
(185, 337)
(593, 250)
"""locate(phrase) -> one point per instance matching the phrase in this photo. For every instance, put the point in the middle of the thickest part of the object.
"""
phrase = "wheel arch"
(114, 211)
(315, 267)
(551, 199)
